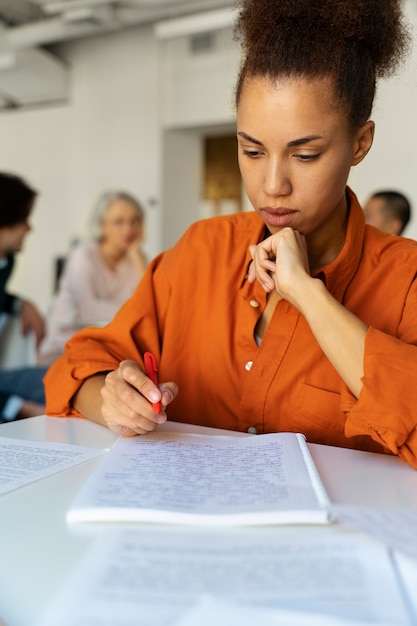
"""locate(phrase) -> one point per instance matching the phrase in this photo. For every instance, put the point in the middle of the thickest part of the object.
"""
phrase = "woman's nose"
(277, 180)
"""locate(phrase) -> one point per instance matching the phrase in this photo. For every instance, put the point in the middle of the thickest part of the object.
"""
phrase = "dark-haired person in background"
(21, 390)
(388, 210)
(295, 317)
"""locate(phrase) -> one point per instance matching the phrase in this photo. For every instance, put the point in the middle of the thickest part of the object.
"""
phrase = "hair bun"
(377, 25)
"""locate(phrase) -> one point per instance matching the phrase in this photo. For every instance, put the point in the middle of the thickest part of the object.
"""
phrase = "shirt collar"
(258, 234)
(338, 274)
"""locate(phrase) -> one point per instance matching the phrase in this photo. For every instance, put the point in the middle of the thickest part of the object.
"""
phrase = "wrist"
(306, 294)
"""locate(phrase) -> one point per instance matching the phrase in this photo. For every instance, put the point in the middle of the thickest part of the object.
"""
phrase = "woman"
(99, 275)
(295, 317)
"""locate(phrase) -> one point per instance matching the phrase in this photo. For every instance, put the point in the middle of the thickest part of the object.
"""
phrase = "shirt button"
(248, 366)
(254, 303)
(252, 430)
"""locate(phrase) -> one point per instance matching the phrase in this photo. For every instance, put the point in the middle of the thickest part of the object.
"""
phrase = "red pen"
(151, 372)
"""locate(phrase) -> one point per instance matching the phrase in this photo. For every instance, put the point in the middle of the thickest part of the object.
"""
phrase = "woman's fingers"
(128, 395)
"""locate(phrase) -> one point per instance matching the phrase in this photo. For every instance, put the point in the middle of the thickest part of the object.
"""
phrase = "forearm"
(88, 400)
(340, 334)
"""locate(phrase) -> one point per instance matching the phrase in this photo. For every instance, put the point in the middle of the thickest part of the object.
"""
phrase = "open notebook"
(205, 480)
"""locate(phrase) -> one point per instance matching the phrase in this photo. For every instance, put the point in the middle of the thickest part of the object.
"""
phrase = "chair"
(58, 270)
(16, 350)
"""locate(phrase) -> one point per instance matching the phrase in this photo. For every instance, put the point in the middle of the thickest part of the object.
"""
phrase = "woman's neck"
(324, 245)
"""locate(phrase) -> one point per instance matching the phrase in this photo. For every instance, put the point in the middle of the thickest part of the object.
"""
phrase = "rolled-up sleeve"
(387, 405)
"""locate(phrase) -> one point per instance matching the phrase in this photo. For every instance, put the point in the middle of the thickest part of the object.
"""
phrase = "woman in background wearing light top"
(99, 275)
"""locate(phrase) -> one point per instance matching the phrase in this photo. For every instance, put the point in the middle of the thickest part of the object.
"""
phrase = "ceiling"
(30, 73)
(39, 22)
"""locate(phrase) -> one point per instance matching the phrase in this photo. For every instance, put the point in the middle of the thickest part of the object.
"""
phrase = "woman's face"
(121, 225)
(295, 153)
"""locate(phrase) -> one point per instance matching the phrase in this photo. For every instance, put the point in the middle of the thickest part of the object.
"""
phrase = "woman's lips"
(278, 217)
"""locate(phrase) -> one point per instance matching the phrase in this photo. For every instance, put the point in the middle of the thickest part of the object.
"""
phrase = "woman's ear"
(363, 142)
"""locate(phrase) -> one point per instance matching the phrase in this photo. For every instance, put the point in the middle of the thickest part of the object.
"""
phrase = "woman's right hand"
(136, 256)
(128, 395)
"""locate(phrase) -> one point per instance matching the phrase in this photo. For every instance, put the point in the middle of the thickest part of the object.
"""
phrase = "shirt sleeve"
(12, 304)
(136, 328)
(387, 406)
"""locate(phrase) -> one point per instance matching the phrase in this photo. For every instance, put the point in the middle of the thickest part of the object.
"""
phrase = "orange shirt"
(195, 309)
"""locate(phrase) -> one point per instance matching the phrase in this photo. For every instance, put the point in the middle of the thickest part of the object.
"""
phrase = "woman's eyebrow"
(249, 138)
(294, 142)
(303, 140)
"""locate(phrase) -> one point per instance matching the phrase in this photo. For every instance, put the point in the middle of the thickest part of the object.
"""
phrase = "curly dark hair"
(352, 41)
(16, 200)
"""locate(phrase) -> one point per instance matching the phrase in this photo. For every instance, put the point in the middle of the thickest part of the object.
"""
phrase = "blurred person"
(21, 390)
(99, 275)
(388, 210)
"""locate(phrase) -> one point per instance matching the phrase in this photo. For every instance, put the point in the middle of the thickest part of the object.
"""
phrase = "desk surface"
(38, 550)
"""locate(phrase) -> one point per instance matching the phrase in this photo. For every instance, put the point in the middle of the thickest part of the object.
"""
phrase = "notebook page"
(171, 477)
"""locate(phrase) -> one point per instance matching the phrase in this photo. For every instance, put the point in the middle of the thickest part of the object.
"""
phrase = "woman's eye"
(252, 153)
(306, 157)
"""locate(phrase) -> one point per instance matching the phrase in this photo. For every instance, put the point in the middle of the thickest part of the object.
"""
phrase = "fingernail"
(154, 396)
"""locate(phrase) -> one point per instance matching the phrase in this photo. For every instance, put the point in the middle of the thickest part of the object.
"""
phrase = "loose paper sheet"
(211, 611)
(23, 462)
(395, 527)
(154, 578)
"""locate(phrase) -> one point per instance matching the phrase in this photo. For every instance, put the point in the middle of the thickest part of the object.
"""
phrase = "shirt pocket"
(318, 415)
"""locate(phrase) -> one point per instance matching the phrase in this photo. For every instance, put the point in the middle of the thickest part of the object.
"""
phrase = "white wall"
(392, 162)
(197, 101)
(122, 113)
(106, 136)
(198, 86)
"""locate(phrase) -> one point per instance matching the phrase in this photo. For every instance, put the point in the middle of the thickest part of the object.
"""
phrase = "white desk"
(38, 551)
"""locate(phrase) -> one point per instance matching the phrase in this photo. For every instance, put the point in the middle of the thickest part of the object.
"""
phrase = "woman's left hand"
(136, 256)
(280, 262)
